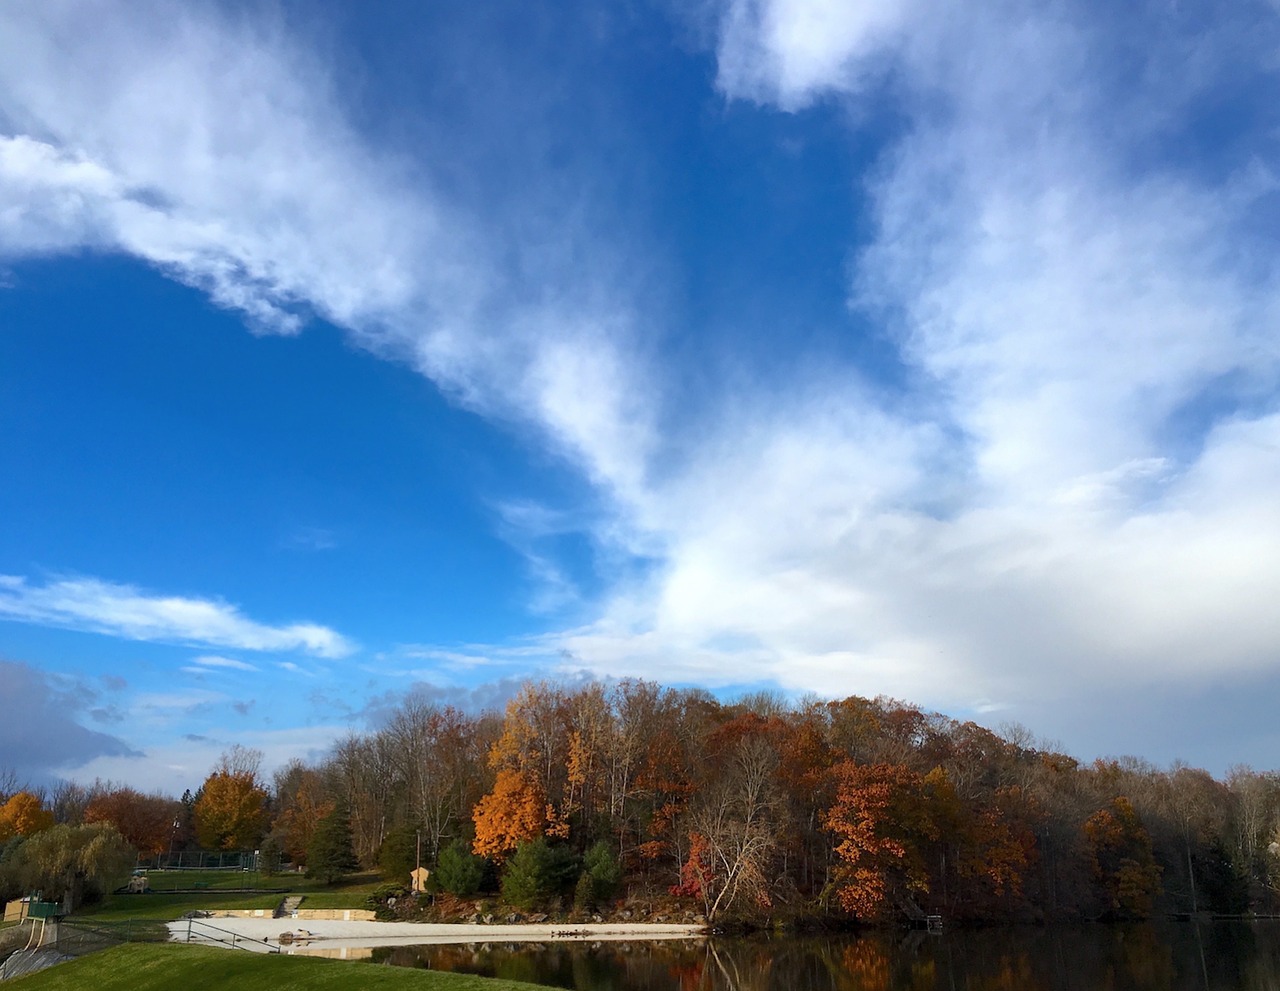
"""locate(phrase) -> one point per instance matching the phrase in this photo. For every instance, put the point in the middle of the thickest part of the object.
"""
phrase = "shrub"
(538, 871)
(460, 871)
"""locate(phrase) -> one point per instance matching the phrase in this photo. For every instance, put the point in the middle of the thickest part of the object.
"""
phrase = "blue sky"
(878, 348)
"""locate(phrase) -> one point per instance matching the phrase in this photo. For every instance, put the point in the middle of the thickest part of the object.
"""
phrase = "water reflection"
(1218, 956)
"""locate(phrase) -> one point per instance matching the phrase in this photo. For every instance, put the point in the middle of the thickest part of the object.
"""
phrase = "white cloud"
(125, 611)
(1085, 493)
(223, 663)
(180, 764)
(217, 150)
(1078, 486)
(1028, 533)
(791, 52)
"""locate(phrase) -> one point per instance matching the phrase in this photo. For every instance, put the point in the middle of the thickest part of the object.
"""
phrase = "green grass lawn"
(149, 967)
(351, 893)
(117, 908)
(162, 881)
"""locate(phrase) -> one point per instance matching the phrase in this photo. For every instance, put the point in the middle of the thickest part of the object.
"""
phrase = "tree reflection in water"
(1219, 956)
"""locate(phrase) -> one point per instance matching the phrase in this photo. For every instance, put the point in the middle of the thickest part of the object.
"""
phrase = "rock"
(514, 918)
(538, 919)
(626, 915)
(286, 937)
(487, 920)
(597, 918)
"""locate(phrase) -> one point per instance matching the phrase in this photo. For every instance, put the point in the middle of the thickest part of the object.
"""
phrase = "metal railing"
(199, 931)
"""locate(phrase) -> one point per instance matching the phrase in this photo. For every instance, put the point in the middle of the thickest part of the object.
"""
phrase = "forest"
(759, 811)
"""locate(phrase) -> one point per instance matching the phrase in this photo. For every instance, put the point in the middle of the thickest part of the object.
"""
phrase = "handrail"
(237, 942)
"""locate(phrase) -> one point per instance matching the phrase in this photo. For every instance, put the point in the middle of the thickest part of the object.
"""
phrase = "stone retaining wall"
(331, 914)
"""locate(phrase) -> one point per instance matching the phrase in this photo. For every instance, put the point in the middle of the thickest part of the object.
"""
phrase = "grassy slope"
(145, 967)
(158, 905)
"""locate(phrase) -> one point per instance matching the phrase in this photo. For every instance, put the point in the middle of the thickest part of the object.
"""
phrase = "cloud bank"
(1075, 485)
(40, 732)
(124, 611)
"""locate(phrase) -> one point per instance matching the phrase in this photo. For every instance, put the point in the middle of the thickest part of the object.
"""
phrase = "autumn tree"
(514, 812)
(881, 821)
(434, 751)
(231, 813)
(739, 814)
(303, 801)
(1122, 859)
(361, 773)
(23, 815)
(981, 846)
(147, 822)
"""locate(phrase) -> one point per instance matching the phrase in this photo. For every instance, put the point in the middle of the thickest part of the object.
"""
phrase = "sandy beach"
(337, 934)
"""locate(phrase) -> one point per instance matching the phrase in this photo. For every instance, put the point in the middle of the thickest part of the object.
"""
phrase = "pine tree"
(460, 872)
(331, 854)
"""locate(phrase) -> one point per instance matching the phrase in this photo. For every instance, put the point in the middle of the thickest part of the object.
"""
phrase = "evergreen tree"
(460, 871)
(538, 871)
(398, 855)
(603, 872)
(331, 855)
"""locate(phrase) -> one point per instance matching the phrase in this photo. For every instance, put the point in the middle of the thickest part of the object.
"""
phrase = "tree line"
(867, 809)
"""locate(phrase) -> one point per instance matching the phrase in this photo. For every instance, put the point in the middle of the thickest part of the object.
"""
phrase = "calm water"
(1206, 957)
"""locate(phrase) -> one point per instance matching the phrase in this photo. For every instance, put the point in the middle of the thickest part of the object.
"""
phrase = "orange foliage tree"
(305, 807)
(881, 818)
(147, 822)
(22, 815)
(1123, 862)
(984, 847)
(231, 812)
(515, 811)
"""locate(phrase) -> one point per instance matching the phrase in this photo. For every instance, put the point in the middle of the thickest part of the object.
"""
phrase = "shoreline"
(338, 934)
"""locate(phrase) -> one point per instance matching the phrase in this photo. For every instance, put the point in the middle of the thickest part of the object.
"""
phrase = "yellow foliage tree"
(231, 812)
(22, 815)
(515, 811)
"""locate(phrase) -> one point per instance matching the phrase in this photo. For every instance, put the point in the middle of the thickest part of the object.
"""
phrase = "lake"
(1217, 956)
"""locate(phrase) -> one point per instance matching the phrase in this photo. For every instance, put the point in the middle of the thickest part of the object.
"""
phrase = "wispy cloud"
(224, 663)
(241, 181)
(128, 612)
(1088, 435)
(184, 762)
(1076, 483)
(311, 538)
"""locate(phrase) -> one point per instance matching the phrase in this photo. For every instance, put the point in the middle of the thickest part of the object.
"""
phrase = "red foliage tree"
(145, 821)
